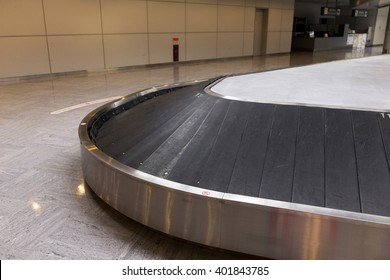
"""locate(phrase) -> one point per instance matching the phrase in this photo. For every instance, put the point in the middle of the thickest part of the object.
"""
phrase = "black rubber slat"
(190, 165)
(130, 127)
(384, 123)
(142, 117)
(247, 172)
(164, 158)
(138, 153)
(373, 169)
(309, 175)
(279, 164)
(342, 188)
(219, 165)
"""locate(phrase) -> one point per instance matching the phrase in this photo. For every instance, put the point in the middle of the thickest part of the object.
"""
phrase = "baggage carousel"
(272, 180)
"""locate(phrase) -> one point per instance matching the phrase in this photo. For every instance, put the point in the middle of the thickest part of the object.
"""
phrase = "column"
(386, 45)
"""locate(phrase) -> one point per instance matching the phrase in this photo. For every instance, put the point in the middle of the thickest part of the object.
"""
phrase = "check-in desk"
(321, 43)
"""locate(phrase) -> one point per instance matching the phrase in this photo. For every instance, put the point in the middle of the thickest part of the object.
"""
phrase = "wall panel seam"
(102, 33)
(46, 37)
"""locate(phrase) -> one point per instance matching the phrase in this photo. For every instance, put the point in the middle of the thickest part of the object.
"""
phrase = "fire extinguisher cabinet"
(175, 42)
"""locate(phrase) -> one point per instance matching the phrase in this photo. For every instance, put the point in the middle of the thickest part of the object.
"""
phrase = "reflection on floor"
(46, 211)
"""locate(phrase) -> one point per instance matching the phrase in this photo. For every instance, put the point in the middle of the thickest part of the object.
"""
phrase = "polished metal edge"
(256, 226)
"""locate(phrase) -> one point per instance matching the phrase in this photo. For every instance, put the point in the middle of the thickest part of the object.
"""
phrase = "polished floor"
(46, 210)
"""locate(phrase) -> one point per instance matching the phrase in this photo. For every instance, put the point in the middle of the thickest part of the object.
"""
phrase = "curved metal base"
(252, 225)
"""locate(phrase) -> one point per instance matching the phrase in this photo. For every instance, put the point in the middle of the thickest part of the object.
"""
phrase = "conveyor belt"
(279, 181)
(316, 156)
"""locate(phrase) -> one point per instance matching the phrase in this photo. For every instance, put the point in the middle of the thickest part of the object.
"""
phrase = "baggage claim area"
(237, 132)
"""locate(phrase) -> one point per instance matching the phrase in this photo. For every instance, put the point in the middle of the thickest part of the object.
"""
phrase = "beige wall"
(53, 36)
(280, 24)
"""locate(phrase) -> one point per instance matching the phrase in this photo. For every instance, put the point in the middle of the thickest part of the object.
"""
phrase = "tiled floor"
(46, 211)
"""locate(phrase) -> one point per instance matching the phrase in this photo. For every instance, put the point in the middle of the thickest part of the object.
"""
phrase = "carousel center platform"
(285, 164)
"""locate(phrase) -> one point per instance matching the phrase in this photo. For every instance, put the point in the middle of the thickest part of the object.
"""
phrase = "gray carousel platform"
(273, 180)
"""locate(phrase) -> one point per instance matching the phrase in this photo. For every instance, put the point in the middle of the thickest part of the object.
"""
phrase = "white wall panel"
(275, 4)
(287, 20)
(288, 4)
(72, 17)
(76, 52)
(249, 19)
(214, 2)
(231, 18)
(21, 56)
(383, 11)
(22, 17)
(248, 43)
(250, 3)
(380, 26)
(274, 19)
(285, 42)
(126, 50)
(201, 18)
(134, 32)
(273, 42)
(232, 2)
(230, 44)
(166, 17)
(160, 47)
(379, 37)
(201, 46)
(262, 3)
(123, 16)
